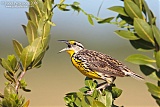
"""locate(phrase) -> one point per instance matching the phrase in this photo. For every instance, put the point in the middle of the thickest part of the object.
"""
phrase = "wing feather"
(102, 63)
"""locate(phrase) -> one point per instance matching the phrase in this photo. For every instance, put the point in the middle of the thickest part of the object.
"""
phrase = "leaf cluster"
(140, 29)
(76, 7)
(12, 99)
(98, 98)
(28, 57)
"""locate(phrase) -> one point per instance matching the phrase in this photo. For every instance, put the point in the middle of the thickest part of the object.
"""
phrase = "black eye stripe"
(80, 46)
(77, 44)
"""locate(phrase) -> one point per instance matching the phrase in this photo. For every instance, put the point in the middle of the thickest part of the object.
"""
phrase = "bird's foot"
(100, 87)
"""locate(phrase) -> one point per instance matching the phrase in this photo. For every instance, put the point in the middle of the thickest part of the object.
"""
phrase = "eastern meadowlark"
(95, 64)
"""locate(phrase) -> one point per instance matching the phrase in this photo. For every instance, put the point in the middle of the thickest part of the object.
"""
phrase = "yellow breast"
(79, 65)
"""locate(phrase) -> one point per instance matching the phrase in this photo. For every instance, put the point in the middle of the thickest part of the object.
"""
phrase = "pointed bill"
(65, 41)
(65, 49)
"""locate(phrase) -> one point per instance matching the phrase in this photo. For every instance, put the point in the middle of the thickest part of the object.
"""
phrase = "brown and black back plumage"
(105, 64)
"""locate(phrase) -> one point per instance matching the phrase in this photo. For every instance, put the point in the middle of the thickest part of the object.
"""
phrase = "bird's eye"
(74, 43)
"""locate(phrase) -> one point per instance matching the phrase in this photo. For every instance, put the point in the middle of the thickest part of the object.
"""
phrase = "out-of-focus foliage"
(140, 29)
(27, 57)
(98, 98)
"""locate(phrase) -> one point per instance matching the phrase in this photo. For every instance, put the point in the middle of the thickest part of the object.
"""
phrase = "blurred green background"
(57, 76)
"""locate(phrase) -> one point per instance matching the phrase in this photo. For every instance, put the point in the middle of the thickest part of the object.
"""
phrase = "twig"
(18, 81)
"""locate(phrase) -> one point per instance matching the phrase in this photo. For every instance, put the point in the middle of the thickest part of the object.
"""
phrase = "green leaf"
(38, 60)
(46, 35)
(141, 44)
(25, 89)
(107, 20)
(108, 99)
(140, 59)
(28, 17)
(49, 4)
(11, 98)
(157, 57)
(84, 89)
(9, 77)
(37, 46)
(138, 3)
(128, 20)
(62, 1)
(17, 47)
(45, 43)
(132, 9)
(119, 9)
(122, 23)
(98, 104)
(148, 12)
(51, 23)
(157, 100)
(143, 30)
(76, 3)
(13, 61)
(67, 100)
(153, 89)
(33, 13)
(9, 89)
(76, 8)
(126, 34)
(89, 83)
(90, 19)
(31, 32)
(156, 33)
(149, 71)
(116, 92)
(95, 94)
(79, 95)
(63, 7)
(39, 5)
(26, 56)
(24, 28)
(71, 93)
(89, 100)
(7, 65)
(33, 53)
(78, 102)
(41, 26)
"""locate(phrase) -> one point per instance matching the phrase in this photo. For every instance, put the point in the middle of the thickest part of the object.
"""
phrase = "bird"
(97, 65)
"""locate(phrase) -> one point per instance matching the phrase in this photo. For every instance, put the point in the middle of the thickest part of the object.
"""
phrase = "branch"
(18, 81)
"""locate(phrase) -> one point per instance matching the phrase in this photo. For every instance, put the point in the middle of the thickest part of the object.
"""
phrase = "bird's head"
(72, 46)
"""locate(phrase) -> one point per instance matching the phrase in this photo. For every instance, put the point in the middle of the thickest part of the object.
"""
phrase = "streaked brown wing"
(103, 63)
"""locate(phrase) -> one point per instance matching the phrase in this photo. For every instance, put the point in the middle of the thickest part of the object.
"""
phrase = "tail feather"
(136, 76)
(128, 72)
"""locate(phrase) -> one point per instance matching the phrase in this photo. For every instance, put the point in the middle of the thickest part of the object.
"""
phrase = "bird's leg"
(108, 82)
(100, 86)
(103, 85)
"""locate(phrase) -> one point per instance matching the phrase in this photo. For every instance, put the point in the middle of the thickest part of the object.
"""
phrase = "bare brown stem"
(18, 81)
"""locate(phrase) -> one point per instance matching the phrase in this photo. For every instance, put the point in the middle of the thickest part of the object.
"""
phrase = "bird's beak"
(65, 49)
